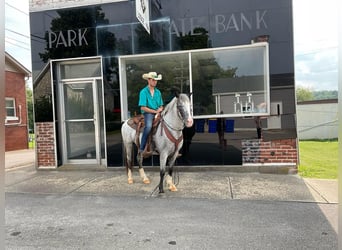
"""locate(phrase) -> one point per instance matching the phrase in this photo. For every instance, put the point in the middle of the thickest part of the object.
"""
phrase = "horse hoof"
(173, 188)
(146, 181)
(130, 181)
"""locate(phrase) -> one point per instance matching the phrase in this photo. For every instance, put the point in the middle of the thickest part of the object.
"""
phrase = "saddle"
(138, 124)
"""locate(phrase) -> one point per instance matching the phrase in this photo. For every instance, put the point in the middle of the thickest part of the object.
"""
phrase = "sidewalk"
(21, 176)
(240, 208)
(19, 158)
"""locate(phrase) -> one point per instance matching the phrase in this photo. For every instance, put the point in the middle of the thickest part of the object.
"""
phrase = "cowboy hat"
(152, 75)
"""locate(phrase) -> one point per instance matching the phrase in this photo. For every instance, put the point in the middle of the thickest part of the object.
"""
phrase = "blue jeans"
(148, 126)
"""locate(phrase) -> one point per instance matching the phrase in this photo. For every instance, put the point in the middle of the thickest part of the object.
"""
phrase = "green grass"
(318, 159)
(31, 143)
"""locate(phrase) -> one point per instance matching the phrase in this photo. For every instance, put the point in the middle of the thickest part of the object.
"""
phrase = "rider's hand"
(160, 109)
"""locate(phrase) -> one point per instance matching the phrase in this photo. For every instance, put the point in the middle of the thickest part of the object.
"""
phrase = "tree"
(304, 94)
(29, 101)
(325, 94)
(74, 19)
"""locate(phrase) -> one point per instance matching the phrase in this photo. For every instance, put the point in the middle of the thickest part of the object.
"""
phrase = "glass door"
(81, 123)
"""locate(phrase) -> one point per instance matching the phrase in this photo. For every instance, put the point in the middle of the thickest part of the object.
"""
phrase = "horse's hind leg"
(129, 165)
(128, 147)
(145, 179)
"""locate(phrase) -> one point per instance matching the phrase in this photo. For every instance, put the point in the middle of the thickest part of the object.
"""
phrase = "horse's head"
(184, 109)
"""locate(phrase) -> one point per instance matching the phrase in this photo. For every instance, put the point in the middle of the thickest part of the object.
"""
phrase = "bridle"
(166, 127)
(182, 115)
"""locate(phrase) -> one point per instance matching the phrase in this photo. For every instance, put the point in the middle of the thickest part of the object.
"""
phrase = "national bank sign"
(222, 23)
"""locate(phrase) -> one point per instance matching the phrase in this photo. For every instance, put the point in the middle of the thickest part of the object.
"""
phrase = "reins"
(166, 128)
(169, 134)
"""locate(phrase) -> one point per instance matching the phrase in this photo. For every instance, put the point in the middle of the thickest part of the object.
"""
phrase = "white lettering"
(81, 37)
(61, 40)
(182, 20)
(193, 26)
(70, 38)
(174, 29)
(52, 38)
(219, 21)
(241, 21)
(232, 24)
(260, 19)
(245, 21)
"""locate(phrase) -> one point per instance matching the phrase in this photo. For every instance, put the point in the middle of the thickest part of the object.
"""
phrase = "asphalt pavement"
(97, 209)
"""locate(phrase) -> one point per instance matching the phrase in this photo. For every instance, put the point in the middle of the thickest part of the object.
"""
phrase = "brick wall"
(16, 138)
(276, 153)
(16, 131)
(45, 145)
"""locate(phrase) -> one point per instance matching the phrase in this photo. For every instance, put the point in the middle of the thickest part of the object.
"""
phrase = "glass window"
(42, 88)
(225, 82)
(174, 68)
(132, 38)
(77, 69)
(230, 81)
(10, 108)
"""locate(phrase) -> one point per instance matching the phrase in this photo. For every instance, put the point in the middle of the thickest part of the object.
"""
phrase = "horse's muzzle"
(189, 122)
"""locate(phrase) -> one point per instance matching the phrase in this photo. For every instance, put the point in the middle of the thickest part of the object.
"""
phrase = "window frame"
(125, 114)
(14, 117)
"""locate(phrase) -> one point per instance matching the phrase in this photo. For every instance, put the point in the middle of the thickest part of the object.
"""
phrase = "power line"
(17, 45)
(17, 33)
(16, 40)
(16, 9)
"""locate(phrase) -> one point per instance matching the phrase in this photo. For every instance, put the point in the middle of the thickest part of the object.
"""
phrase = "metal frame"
(60, 102)
(123, 80)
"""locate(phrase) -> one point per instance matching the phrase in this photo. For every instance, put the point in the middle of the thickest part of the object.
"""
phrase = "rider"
(150, 103)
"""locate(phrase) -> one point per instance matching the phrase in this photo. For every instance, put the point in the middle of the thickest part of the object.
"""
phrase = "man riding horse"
(151, 104)
(172, 119)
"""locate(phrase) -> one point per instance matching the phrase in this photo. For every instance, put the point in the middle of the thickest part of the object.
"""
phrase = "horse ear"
(175, 90)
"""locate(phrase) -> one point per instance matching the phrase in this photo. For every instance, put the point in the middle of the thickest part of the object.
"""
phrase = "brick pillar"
(277, 154)
(45, 145)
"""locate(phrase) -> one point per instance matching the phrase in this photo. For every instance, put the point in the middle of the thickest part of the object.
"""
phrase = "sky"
(315, 40)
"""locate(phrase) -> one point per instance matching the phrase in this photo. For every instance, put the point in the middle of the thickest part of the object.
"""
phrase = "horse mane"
(169, 105)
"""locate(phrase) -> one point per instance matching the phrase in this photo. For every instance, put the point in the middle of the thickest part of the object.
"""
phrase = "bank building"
(236, 58)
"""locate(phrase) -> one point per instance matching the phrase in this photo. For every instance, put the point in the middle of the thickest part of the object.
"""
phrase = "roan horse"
(167, 140)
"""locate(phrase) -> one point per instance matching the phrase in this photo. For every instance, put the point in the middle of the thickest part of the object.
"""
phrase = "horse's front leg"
(143, 176)
(161, 182)
(162, 159)
(169, 181)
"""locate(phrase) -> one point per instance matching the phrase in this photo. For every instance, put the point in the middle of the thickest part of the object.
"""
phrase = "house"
(325, 122)
(16, 121)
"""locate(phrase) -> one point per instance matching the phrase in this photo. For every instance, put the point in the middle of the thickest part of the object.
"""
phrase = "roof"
(10, 59)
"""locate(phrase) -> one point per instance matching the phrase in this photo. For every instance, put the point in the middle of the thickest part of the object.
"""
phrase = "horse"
(167, 139)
